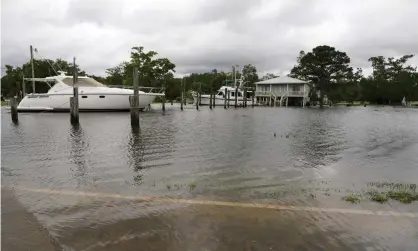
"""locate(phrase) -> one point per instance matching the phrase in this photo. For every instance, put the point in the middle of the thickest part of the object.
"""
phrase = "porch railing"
(290, 93)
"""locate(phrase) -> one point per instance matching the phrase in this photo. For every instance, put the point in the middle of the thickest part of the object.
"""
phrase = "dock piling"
(74, 118)
(225, 97)
(214, 100)
(252, 98)
(245, 98)
(134, 100)
(13, 110)
(74, 113)
(229, 96)
(210, 101)
(182, 97)
(197, 101)
(200, 94)
(236, 97)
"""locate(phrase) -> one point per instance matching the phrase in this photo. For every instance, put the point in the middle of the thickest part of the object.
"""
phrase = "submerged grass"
(178, 186)
(402, 192)
(379, 197)
(393, 185)
(352, 198)
(192, 186)
(403, 196)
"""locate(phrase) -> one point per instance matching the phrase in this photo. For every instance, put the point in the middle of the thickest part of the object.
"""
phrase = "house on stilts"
(282, 91)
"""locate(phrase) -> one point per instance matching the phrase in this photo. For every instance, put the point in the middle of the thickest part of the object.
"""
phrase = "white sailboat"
(93, 96)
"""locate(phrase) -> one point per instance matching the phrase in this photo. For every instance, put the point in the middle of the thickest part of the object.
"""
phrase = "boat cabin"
(231, 91)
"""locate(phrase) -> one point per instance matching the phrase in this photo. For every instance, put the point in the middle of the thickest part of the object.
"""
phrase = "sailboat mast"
(33, 69)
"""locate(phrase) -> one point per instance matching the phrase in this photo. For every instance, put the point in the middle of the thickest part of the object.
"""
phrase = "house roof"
(281, 80)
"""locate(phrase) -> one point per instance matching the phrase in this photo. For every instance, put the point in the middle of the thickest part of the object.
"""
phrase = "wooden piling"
(74, 118)
(13, 110)
(245, 98)
(134, 100)
(214, 100)
(197, 101)
(200, 94)
(210, 101)
(182, 97)
(236, 97)
(74, 113)
(229, 97)
(225, 97)
(163, 104)
(252, 98)
(184, 93)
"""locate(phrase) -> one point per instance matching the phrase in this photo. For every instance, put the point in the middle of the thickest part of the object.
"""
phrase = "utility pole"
(33, 69)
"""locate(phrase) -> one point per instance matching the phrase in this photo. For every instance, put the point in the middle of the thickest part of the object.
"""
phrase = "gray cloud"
(200, 35)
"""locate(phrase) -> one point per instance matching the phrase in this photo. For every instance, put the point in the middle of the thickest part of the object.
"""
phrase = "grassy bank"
(4, 103)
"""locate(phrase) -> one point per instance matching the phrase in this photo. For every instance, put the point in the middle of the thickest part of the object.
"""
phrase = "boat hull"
(86, 102)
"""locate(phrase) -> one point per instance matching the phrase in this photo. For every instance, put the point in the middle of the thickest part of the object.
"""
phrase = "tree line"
(327, 70)
(330, 74)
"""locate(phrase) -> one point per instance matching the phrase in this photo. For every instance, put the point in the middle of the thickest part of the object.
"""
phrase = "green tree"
(43, 68)
(392, 79)
(209, 81)
(324, 67)
(250, 75)
(152, 71)
(116, 75)
(173, 89)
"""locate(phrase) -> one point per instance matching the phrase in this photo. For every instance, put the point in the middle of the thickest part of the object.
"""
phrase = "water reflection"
(136, 150)
(78, 150)
(316, 142)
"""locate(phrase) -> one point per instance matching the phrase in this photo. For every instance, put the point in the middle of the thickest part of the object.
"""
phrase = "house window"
(232, 94)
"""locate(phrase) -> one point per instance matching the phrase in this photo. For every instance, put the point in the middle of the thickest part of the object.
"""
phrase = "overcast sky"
(200, 35)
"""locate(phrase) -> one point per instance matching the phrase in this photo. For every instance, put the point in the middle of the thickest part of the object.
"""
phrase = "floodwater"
(237, 179)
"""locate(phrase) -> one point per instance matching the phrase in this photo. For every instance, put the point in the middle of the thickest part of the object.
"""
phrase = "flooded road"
(215, 180)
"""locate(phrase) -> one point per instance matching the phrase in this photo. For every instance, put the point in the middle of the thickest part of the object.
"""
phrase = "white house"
(282, 91)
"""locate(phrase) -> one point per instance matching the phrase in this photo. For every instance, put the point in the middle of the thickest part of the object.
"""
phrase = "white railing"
(266, 93)
(290, 93)
(296, 93)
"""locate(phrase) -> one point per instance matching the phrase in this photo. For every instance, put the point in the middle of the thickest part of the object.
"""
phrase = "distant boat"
(220, 96)
(93, 96)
